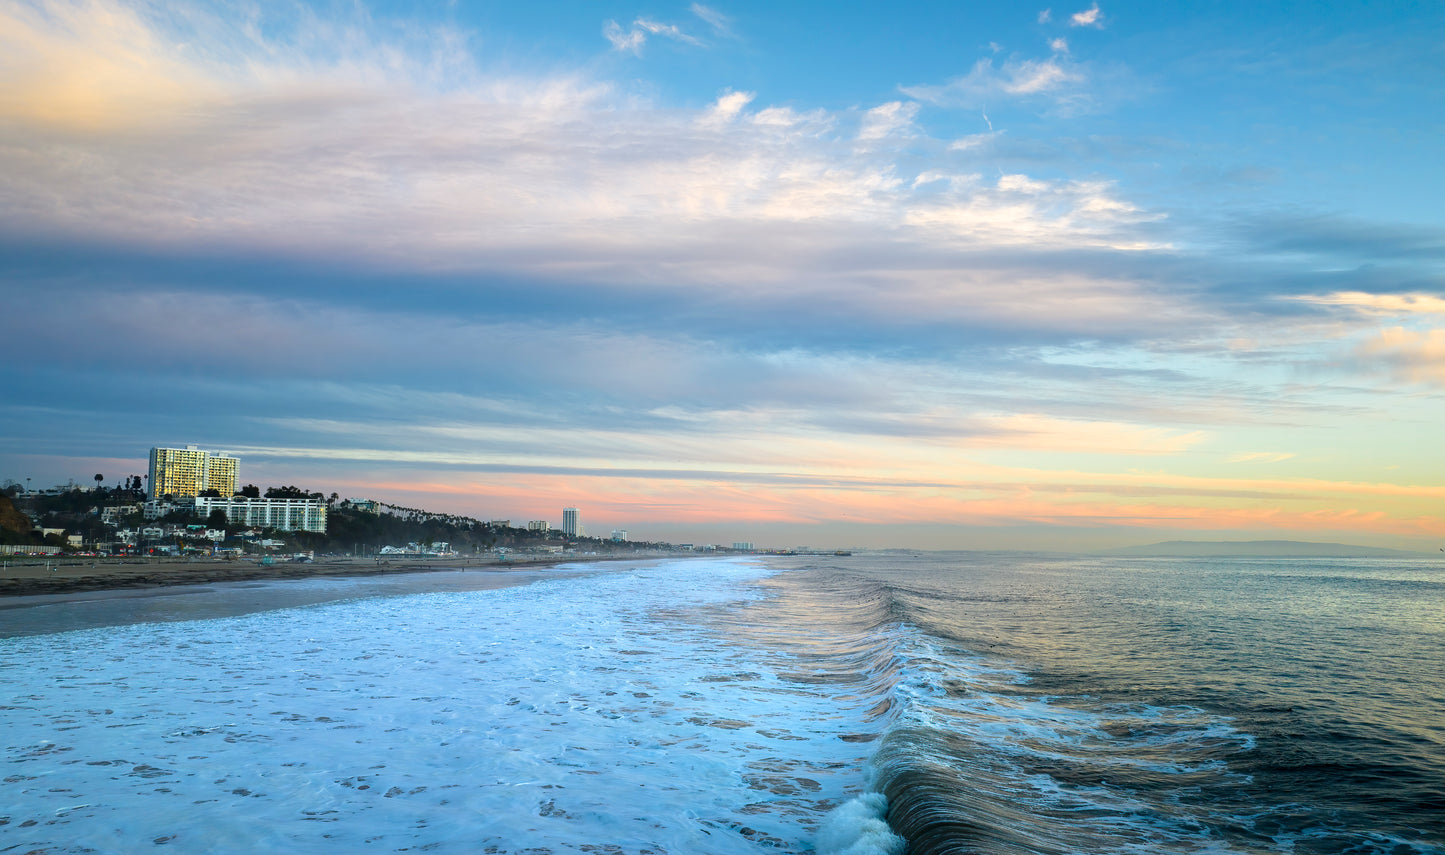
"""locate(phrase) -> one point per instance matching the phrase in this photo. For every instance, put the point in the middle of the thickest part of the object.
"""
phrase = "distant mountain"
(1262, 549)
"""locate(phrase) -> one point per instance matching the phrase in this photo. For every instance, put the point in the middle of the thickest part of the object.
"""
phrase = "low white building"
(157, 508)
(112, 515)
(280, 514)
(436, 549)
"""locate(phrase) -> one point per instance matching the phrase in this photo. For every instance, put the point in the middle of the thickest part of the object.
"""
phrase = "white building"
(111, 515)
(743, 545)
(281, 514)
(571, 522)
(538, 525)
(619, 535)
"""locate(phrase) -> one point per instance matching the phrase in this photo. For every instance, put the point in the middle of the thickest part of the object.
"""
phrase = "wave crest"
(859, 827)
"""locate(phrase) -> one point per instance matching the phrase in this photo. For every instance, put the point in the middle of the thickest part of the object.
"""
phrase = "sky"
(963, 275)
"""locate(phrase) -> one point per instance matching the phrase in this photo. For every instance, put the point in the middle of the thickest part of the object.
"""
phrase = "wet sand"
(30, 576)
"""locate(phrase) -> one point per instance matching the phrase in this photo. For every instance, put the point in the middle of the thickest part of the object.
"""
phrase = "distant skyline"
(947, 276)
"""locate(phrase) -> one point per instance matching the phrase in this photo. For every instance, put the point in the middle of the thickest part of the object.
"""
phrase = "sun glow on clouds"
(1399, 335)
(90, 67)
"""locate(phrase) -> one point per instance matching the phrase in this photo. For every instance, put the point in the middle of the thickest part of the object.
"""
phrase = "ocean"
(880, 703)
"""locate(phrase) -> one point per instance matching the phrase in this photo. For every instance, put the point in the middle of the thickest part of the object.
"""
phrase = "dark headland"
(1261, 549)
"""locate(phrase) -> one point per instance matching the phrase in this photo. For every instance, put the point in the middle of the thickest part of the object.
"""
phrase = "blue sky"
(957, 275)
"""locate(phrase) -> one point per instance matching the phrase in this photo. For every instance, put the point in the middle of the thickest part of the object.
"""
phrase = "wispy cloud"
(631, 40)
(886, 120)
(1055, 79)
(721, 24)
(1381, 304)
(626, 41)
(1262, 457)
(1090, 17)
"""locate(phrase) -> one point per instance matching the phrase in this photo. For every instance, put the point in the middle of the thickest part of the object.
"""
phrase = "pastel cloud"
(886, 120)
(1389, 304)
(1409, 355)
(728, 107)
(90, 67)
(1410, 350)
(1018, 208)
(700, 498)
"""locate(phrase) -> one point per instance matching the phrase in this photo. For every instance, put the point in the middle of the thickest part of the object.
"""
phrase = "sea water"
(964, 702)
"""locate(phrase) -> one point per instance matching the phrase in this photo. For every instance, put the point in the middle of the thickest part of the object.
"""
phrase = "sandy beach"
(28, 576)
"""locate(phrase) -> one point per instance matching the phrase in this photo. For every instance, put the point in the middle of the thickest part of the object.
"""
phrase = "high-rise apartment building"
(188, 471)
(571, 522)
(221, 473)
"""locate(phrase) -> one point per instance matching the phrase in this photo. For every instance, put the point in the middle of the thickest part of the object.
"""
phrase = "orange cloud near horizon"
(1333, 510)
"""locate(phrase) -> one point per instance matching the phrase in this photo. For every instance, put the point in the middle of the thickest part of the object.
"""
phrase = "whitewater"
(596, 714)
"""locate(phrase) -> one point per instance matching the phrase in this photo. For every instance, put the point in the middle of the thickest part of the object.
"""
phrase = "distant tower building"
(619, 535)
(538, 525)
(188, 471)
(571, 522)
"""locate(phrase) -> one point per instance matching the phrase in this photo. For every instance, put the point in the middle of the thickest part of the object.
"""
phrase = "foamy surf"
(859, 827)
(451, 723)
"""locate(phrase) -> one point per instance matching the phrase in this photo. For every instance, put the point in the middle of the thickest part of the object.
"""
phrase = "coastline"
(35, 577)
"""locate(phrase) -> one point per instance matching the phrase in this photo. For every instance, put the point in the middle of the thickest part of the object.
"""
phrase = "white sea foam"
(859, 827)
(593, 714)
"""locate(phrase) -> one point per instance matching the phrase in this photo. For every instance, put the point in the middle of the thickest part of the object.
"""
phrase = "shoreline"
(39, 577)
